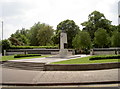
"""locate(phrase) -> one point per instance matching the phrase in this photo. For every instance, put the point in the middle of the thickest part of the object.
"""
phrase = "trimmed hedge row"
(32, 47)
(26, 55)
(105, 57)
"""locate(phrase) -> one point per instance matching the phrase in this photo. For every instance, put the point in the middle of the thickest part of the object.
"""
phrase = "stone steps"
(24, 65)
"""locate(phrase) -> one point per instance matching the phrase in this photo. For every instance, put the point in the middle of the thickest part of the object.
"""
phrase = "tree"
(118, 28)
(56, 37)
(101, 38)
(115, 39)
(21, 38)
(44, 35)
(70, 28)
(14, 41)
(24, 31)
(96, 20)
(82, 41)
(5, 45)
(40, 34)
(33, 34)
(76, 42)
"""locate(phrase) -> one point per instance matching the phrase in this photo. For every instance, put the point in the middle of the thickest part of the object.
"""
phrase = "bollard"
(4, 52)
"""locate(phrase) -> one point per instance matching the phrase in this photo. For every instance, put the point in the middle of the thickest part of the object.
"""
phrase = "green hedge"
(32, 47)
(26, 55)
(105, 57)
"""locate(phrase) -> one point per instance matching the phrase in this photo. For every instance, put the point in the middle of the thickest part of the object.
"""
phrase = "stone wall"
(33, 51)
(105, 51)
(80, 67)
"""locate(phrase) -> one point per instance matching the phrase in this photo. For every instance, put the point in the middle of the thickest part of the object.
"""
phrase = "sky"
(18, 14)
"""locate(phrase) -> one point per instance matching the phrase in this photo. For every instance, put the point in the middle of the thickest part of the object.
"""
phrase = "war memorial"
(56, 70)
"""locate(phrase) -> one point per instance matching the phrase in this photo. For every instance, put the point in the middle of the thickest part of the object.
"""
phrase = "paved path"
(37, 77)
(49, 59)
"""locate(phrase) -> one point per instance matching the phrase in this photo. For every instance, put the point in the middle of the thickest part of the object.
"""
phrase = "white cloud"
(24, 13)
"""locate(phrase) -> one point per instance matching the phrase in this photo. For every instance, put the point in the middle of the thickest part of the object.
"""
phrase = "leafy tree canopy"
(82, 40)
(101, 38)
(115, 39)
(96, 20)
(44, 35)
(20, 37)
(40, 34)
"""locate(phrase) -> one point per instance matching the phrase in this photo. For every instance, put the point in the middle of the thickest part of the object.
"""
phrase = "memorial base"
(63, 53)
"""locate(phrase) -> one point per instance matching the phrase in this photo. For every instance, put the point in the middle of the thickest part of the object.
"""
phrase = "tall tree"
(20, 37)
(40, 34)
(101, 38)
(96, 20)
(44, 35)
(70, 28)
(33, 34)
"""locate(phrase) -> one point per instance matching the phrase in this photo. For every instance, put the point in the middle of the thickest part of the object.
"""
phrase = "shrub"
(32, 47)
(105, 57)
(26, 55)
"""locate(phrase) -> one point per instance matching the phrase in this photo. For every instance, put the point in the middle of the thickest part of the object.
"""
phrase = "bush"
(26, 55)
(32, 47)
(105, 57)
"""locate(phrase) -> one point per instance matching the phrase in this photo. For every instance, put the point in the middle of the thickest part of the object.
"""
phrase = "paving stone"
(36, 77)
(17, 76)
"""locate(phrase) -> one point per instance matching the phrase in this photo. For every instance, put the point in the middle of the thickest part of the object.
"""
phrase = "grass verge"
(85, 60)
(5, 58)
(101, 57)
(26, 55)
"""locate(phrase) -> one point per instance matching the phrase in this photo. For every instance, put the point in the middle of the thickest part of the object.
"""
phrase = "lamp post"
(119, 13)
(1, 41)
(2, 30)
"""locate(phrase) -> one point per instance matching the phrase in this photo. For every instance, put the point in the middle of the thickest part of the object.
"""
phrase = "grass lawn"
(5, 58)
(85, 60)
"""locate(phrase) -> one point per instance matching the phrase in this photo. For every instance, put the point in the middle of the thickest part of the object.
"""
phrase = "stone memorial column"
(63, 44)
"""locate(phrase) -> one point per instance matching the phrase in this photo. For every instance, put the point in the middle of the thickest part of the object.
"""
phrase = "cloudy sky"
(17, 14)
